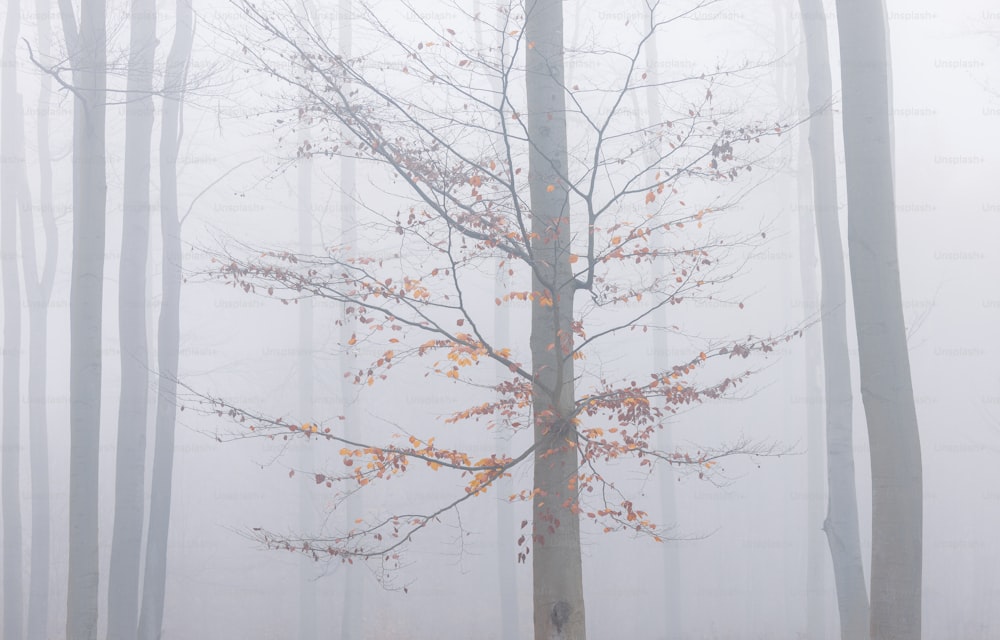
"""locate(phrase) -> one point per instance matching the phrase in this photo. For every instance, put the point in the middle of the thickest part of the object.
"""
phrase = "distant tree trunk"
(10, 183)
(38, 290)
(168, 339)
(306, 382)
(505, 531)
(886, 388)
(352, 621)
(556, 563)
(817, 555)
(841, 523)
(671, 614)
(88, 60)
(130, 470)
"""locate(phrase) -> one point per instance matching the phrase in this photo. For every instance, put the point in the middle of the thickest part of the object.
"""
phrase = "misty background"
(739, 537)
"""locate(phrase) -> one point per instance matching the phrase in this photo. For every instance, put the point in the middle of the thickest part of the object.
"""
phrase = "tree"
(38, 292)
(459, 155)
(841, 524)
(352, 620)
(87, 52)
(130, 468)
(886, 386)
(10, 184)
(168, 336)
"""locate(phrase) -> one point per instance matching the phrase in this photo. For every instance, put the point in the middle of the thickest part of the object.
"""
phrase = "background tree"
(886, 386)
(11, 179)
(168, 336)
(87, 54)
(38, 286)
(130, 468)
(841, 524)
(468, 205)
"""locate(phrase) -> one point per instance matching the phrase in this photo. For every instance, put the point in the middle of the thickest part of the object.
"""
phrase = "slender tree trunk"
(168, 338)
(88, 59)
(352, 621)
(556, 562)
(505, 531)
(886, 388)
(671, 613)
(816, 555)
(307, 590)
(841, 525)
(130, 476)
(38, 290)
(10, 183)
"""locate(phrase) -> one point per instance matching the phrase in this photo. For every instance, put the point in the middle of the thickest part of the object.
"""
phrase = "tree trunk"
(38, 291)
(130, 468)
(352, 620)
(168, 339)
(88, 59)
(886, 388)
(506, 532)
(10, 183)
(307, 589)
(556, 563)
(816, 554)
(841, 525)
(671, 614)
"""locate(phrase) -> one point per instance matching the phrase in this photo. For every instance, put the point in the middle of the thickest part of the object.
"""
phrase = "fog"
(499, 320)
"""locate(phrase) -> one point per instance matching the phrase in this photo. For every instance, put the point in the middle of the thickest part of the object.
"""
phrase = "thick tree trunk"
(886, 388)
(88, 60)
(168, 339)
(11, 177)
(38, 291)
(841, 525)
(130, 468)
(556, 563)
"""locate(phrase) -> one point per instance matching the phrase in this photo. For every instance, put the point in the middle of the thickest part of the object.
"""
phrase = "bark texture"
(556, 563)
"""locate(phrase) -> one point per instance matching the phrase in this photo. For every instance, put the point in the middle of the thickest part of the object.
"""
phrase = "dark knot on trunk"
(560, 614)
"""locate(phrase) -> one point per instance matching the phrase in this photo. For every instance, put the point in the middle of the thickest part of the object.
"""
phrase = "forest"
(499, 319)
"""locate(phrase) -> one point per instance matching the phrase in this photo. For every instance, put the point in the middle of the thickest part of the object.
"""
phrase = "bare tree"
(460, 156)
(38, 292)
(87, 51)
(886, 387)
(130, 468)
(168, 336)
(841, 524)
(11, 178)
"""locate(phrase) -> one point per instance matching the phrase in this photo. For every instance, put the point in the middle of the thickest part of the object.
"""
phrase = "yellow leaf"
(353, 340)
(550, 188)
(573, 258)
